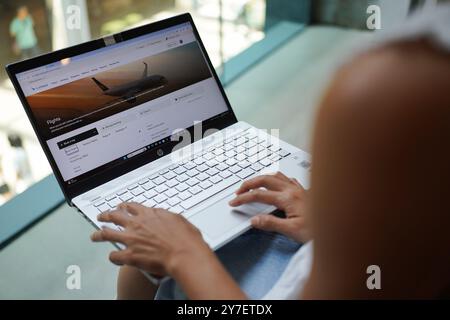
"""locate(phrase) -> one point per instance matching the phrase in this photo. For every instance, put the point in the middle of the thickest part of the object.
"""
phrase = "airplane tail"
(100, 85)
(145, 73)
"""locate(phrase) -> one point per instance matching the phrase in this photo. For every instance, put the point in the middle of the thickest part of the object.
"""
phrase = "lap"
(256, 260)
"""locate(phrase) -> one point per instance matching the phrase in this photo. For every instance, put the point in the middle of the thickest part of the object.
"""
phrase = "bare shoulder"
(380, 181)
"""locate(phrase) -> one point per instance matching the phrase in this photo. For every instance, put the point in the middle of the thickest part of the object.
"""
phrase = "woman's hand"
(282, 192)
(156, 240)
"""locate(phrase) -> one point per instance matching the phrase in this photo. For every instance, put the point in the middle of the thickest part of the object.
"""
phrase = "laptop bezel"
(224, 120)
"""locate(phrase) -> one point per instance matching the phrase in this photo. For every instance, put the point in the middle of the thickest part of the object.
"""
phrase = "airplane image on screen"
(130, 91)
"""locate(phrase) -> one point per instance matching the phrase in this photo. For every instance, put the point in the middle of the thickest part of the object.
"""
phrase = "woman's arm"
(163, 243)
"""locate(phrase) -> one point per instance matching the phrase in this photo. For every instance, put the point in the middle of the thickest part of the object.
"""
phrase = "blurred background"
(274, 58)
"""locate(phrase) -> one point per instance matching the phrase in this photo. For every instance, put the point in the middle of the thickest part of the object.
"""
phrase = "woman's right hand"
(282, 192)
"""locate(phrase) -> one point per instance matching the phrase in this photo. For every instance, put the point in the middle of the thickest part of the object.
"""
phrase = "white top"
(433, 24)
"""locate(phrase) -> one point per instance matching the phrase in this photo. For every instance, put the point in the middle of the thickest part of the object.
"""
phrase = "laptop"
(141, 116)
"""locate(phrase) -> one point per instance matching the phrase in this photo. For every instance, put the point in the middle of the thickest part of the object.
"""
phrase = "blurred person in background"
(5, 193)
(22, 29)
(18, 163)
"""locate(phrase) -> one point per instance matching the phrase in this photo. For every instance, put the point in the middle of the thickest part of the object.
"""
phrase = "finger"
(259, 195)
(280, 175)
(108, 234)
(121, 257)
(271, 223)
(269, 182)
(132, 207)
(117, 217)
(298, 184)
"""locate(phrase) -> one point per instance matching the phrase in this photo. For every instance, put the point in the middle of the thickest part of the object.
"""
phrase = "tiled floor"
(280, 93)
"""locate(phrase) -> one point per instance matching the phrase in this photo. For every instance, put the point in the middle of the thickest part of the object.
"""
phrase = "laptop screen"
(102, 108)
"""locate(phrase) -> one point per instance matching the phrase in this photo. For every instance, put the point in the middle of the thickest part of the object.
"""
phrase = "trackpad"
(220, 218)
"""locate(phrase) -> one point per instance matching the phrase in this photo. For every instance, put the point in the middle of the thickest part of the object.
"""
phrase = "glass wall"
(31, 27)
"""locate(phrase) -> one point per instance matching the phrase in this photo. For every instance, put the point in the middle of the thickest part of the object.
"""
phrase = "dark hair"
(15, 140)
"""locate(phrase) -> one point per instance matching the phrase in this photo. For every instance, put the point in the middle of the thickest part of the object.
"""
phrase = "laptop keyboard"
(181, 186)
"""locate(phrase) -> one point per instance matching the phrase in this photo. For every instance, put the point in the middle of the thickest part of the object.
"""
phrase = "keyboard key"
(183, 177)
(171, 193)
(208, 156)
(189, 165)
(121, 192)
(225, 174)
(150, 194)
(256, 166)
(154, 176)
(275, 147)
(159, 180)
(211, 163)
(98, 204)
(192, 182)
(137, 191)
(173, 201)
(103, 207)
(252, 151)
(174, 166)
(140, 199)
(202, 176)
(202, 168)
(239, 141)
(284, 153)
(149, 203)
(114, 202)
(240, 149)
(160, 198)
(215, 179)
(221, 167)
(180, 170)
(109, 198)
(133, 186)
(164, 171)
(231, 162)
(240, 157)
(172, 183)
(161, 188)
(212, 171)
(184, 195)
(245, 173)
(143, 181)
(181, 187)
(148, 185)
(177, 209)
(163, 205)
(228, 147)
(275, 157)
(235, 169)
(195, 190)
(265, 162)
(218, 151)
(230, 153)
(202, 196)
(198, 161)
(205, 184)
(126, 197)
(169, 175)
(221, 158)
(244, 164)
(193, 172)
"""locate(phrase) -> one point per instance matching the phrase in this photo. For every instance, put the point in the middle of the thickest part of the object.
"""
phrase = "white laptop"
(141, 116)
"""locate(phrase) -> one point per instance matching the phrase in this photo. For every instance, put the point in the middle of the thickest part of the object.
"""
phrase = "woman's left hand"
(156, 240)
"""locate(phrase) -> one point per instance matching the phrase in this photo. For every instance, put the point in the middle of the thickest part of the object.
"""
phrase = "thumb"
(271, 223)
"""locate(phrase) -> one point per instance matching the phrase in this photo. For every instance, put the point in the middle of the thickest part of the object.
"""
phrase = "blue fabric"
(256, 260)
